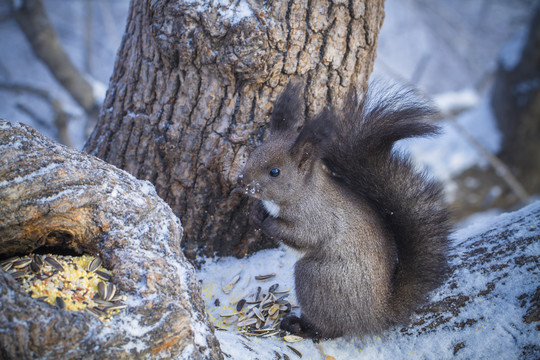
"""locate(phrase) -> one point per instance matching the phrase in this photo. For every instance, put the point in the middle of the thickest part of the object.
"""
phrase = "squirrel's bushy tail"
(410, 204)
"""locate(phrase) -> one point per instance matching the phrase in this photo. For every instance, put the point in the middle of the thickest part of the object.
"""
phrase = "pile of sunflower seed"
(260, 313)
(73, 283)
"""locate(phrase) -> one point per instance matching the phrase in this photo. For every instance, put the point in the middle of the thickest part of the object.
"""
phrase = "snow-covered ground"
(489, 325)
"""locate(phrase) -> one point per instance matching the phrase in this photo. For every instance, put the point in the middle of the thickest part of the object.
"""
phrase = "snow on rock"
(488, 307)
(53, 195)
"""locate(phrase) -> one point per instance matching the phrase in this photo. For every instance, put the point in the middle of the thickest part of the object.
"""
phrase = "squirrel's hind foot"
(299, 326)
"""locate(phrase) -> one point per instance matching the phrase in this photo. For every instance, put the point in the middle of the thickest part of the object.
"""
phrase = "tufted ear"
(312, 139)
(288, 109)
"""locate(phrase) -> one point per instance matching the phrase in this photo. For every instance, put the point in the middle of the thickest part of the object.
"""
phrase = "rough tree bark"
(193, 87)
(52, 196)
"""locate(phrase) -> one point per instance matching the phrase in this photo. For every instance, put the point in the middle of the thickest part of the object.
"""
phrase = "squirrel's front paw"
(257, 216)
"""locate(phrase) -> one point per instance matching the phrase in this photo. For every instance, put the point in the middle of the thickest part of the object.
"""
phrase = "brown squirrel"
(372, 230)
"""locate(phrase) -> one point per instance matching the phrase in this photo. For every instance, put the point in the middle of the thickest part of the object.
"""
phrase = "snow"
(229, 10)
(496, 328)
(450, 153)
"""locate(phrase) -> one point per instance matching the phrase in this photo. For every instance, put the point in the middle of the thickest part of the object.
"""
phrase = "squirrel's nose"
(240, 180)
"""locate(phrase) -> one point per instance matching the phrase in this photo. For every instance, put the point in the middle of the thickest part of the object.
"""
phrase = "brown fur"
(373, 232)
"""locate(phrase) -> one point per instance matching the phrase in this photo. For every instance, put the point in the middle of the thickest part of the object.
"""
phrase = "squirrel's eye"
(274, 172)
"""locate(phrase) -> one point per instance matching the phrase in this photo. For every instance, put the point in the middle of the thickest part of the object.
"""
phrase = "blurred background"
(477, 59)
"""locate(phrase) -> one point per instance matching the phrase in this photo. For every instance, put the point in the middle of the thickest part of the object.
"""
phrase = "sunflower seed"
(272, 333)
(103, 303)
(282, 298)
(118, 298)
(273, 309)
(102, 290)
(111, 290)
(228, 288)
(295, 351)
(35, 267)
(115, 307)
(96, 312)
(55, 264)
(259, 314)
(9, 260)
(227, 315)
(102, 275)
(42, 298)
(285, 308)
(240, 305)
(19, 264)
(38, 260)
(273, 288)
(94, 264)
(18, 274)
(60, 302)
(6, 266)
(264, 277)
(247, 322)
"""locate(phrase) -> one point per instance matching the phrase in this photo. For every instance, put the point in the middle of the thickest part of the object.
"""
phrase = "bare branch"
(33, 20)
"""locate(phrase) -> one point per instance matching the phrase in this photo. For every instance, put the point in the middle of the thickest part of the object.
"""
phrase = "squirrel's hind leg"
(299, 326)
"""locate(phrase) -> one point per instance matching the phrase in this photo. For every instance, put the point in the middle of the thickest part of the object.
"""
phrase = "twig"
(61, 117)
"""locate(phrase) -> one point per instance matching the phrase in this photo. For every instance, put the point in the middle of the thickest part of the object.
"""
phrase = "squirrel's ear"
(306, 156)
(288, 109)
(313, 137)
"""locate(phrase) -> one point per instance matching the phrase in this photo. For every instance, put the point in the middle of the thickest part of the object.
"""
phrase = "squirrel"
(372, 230)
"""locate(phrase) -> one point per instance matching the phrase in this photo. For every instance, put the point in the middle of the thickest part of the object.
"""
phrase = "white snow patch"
(28, 178)
(450, 153)
(99, 89)
(233, 11)
(456, 101)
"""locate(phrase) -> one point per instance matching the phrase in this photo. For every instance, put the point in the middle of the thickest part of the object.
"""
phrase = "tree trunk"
(516, 105)
(193, 88)
(55, 198)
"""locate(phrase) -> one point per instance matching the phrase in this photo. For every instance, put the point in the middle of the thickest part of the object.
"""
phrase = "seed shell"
(18, 274)
(35, 267)
(292, 338)
(102, 290)
(295, 351)
(259, 314)
(19, 264)
(115, 307)
(111, 290)
(102, 275)
(60, 302)
(247, 322)
(264, 277)
(38, 260)
(94, 264)
(55, 264)
(240, 305)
